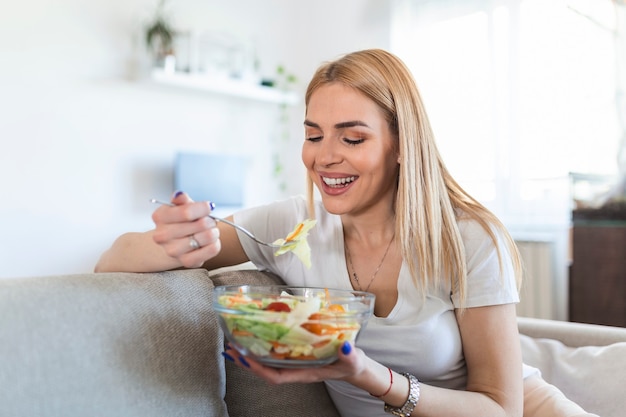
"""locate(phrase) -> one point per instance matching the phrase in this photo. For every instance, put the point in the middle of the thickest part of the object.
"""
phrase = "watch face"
(394, 411)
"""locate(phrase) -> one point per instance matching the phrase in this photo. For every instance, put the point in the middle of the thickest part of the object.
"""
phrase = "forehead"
(336, 102)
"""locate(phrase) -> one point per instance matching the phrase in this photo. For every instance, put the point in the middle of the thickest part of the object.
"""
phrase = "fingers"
(180, 197)
(185, 231)
(184, 210)
(197, 248)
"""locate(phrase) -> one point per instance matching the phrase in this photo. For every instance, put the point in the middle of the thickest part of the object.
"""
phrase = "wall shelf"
(226, 86)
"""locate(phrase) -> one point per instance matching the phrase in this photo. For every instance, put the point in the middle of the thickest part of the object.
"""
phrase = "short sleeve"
(490, 278)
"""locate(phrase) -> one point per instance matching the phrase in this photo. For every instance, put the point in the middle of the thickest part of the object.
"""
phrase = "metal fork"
(236, 226)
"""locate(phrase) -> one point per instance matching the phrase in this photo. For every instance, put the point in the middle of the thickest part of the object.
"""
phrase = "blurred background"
(100, 101)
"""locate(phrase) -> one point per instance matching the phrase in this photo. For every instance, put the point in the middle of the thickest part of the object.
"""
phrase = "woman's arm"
(494, 363)
(135, 252)
(493, 356)
(168, 246)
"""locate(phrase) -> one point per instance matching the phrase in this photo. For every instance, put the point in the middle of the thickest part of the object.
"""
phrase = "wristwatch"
(411, 402)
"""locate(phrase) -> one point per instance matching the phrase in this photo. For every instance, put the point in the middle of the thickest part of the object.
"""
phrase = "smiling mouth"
(338, 182)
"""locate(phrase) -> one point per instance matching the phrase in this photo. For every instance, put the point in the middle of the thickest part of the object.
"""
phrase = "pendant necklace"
(354, 275)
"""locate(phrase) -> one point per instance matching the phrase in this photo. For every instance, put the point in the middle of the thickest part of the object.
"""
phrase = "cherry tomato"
(278, 306)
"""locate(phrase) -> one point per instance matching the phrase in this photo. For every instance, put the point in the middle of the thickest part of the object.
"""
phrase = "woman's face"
(349, 151)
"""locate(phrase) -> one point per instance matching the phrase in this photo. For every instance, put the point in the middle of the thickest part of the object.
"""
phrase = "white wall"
(86, 140)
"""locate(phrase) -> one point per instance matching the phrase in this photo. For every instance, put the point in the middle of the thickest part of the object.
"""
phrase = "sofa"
(148, 344)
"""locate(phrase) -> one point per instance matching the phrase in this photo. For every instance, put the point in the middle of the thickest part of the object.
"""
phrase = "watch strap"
(411, 402)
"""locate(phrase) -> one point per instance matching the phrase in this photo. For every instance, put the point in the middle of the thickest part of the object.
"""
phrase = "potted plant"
(160, 36)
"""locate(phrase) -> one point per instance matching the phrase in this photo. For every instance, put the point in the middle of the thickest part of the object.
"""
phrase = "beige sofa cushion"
(594, 376)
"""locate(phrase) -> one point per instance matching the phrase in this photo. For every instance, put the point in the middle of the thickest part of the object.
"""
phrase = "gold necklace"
(354, 275)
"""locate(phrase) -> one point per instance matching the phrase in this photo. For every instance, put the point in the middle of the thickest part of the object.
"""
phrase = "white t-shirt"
(418, 337)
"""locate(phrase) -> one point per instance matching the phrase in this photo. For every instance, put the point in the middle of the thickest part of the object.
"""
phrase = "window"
(520, 93)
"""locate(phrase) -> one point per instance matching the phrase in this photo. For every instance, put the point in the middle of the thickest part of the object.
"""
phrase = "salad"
(284, 327)
(296, 242)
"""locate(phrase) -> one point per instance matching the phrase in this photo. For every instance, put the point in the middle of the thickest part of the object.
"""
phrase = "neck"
(353, 272)
(368, 232)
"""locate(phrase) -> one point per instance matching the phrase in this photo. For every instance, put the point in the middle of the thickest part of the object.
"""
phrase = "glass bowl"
(291, 327)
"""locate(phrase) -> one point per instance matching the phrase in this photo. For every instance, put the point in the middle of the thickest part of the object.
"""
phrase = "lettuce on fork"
(296, 242)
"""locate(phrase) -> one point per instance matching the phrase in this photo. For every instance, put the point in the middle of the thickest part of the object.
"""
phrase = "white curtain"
(520, 94)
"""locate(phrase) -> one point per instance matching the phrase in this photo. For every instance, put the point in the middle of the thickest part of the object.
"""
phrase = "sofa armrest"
(571, 334)
(110, 344)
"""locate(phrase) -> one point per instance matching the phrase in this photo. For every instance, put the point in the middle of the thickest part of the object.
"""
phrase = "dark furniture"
(597, 285)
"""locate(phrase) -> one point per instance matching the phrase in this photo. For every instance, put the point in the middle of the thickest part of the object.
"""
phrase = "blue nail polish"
(228, 357)
(178, 193)
(346, 348)
(212, 205)
(244, 362)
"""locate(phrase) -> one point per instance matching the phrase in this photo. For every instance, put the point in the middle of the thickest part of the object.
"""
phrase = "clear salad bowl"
(291, 327)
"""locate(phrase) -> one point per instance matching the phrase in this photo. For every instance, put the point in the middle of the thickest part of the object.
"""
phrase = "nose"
(328, 153)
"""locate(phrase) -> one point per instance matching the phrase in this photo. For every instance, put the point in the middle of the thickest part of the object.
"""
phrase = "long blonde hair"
(429, 202)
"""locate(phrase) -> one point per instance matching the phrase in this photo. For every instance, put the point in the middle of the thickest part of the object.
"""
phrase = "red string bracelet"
(390, 384)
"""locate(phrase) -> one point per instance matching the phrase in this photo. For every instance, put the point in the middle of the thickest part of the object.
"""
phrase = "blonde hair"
(429, 202)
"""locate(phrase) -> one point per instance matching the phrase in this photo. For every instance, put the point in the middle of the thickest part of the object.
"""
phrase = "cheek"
(308, 156)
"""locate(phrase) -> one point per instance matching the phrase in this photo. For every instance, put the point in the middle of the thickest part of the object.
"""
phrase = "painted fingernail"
(244, 362)
(212, 205)
(178, 193)
(228, 357)
(346, 348)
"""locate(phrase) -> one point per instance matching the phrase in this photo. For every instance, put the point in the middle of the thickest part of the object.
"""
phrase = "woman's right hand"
(185, 232)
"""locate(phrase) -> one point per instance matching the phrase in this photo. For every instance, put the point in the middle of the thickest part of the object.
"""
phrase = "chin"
(333, 206)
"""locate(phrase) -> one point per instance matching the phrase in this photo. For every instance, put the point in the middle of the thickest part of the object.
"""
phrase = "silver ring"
(193, 243)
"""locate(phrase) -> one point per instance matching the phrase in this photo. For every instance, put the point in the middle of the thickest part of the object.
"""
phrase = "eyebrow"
(342, 125)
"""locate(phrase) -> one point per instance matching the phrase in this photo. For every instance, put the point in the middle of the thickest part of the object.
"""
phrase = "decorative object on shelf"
(221, 63)
(160, 39)
(224, 55)
(594, 198)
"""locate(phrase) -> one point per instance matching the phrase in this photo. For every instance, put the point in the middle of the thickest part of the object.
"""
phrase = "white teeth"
(333, 182)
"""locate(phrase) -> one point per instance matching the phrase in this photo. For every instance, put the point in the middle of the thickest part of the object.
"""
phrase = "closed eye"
(353, 142)
(314, 138)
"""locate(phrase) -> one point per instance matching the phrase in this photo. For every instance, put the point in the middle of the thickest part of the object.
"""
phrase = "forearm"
(435, 401)
(135, 252)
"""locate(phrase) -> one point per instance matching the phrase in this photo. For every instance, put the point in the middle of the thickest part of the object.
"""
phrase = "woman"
(391, 221)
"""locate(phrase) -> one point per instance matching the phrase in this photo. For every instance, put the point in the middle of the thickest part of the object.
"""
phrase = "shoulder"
(474, 235)
(490, 274)
(477, 238)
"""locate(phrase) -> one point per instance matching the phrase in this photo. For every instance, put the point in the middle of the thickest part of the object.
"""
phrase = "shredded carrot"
(321, 343)
(241, 333)
(293, 234)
